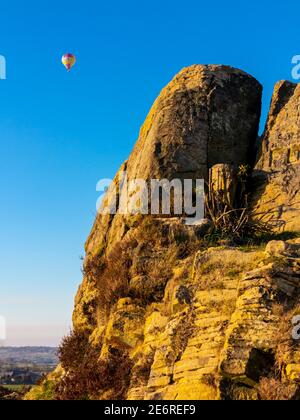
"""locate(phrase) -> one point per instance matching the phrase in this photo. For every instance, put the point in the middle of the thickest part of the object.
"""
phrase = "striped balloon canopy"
(68, 60)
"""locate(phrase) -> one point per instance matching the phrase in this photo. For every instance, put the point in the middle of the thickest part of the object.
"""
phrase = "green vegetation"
(13, 392)
(15, 388)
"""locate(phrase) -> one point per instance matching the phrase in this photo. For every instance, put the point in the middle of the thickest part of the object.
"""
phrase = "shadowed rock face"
(280, 142)
(206, 115)
(277, 173)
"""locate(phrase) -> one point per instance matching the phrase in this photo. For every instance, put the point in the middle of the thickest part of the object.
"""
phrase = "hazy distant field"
(14, 388)
(26, 365)
(35, 355)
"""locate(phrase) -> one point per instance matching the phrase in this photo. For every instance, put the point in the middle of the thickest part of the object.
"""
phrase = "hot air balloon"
(68, 61)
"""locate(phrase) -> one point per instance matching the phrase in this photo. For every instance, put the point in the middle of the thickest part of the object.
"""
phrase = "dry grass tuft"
(219, 265)
(88, 377)
(272, 389)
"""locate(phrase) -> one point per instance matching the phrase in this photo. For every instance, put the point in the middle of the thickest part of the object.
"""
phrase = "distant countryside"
(20, 368)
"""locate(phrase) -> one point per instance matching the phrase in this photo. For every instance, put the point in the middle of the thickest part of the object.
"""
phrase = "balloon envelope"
(68, 60)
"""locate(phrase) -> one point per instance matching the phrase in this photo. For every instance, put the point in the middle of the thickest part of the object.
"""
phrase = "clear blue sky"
(60, 133)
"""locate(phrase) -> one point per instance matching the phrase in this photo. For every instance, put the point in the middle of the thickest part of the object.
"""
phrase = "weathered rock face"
(222, 329)
(229, 333)
(206, 115)
(277, 173)
(212, 323)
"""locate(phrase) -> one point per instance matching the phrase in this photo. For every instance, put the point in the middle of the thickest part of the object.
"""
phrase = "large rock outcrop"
(201, 325)
(206, 115)
(277, 172)
(199, 322)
